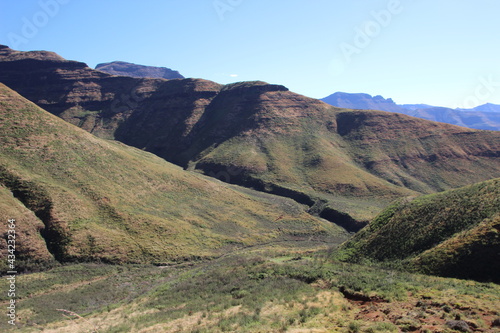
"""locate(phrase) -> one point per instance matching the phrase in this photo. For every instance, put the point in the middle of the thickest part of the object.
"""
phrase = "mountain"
(80, 197)
(362, 102)
(482, 117)
(346, 165)
(488, 107)
(76, 197)
(453, 233)
(129, 69)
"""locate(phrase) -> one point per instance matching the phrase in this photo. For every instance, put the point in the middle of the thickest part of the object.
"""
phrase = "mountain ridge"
(488, 107)
(263, 136)
(361, 101)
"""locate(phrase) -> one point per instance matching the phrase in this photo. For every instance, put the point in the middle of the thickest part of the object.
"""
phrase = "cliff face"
(128, 69)
(262, 135)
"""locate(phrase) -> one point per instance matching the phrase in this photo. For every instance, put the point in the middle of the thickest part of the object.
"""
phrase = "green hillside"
(78, 197)
(452, 233)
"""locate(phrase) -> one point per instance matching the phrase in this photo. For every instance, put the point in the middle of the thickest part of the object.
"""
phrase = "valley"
(145, 204)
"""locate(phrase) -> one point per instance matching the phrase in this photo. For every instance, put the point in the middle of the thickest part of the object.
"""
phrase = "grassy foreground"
(270, 290)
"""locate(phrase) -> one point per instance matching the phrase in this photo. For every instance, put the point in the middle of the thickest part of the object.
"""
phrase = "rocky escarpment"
(129, 69)
(362, 101)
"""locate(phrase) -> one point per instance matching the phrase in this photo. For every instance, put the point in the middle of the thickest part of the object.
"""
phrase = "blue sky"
(440, 52)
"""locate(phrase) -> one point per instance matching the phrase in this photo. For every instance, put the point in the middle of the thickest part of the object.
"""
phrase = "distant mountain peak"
(380, 98)
(124, 68)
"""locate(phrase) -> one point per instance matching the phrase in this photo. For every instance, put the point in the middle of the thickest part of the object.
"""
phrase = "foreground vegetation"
(452, 233)
(270, 290)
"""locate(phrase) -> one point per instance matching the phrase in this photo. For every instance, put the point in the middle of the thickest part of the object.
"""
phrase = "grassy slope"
(292, 141)
(453, 233)
(102, 199)
(248, 293)
(358, 161)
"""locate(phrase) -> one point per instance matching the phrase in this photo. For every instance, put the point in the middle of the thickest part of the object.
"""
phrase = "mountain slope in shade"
(346, 165)
(454, 233)
(78, 197)
(483, 117)
(140, 71)
(31, 249)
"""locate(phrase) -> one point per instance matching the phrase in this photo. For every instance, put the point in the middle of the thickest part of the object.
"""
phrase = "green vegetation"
(299, 157)
(82, 198)
(247, 293)
(453, 233)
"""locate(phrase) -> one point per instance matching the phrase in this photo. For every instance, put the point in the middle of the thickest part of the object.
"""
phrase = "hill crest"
(453, 233)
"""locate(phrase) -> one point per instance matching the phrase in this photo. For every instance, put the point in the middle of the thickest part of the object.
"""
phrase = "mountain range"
(346, 165)
(147, 204)
(486, 116)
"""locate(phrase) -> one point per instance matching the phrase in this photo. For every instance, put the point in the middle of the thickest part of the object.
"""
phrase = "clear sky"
(439, 52)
